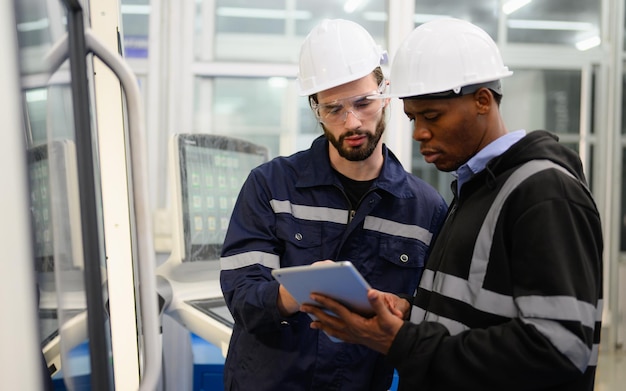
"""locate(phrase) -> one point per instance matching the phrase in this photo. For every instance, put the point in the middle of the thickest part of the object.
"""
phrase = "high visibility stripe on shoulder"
(314, 213)
(480, 257)
(249, 258)
(397, 229)
(544, 312)
(471, 291)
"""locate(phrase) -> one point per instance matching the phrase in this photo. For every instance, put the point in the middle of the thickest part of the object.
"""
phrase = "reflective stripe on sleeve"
(565, 308)
(417, 314)
(453, 326)
(232, 262)
(564, 340)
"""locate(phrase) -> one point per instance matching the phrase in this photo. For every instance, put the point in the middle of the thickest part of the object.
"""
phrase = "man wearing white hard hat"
(346, 198)
(511, 298)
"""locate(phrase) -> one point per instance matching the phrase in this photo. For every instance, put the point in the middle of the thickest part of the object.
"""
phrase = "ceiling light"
(588, 43)
(277, 82)
(352, 5)
(511, 6)
(261, 13)
(39, 24)
(37, 95)
(423, 18)
(375, 16)
(548, 25)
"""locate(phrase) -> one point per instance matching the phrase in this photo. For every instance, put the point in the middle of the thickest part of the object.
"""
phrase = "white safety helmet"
(445, 55)
(336, 52)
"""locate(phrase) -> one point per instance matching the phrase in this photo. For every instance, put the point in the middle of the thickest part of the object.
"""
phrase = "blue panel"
(208, 365)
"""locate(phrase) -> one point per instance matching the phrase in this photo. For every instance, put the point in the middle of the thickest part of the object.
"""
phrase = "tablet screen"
(339, 280)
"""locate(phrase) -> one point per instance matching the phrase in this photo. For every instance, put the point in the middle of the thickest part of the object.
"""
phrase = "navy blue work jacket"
(294, 211)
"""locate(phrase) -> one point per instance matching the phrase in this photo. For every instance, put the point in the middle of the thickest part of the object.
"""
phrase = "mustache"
(352, 133)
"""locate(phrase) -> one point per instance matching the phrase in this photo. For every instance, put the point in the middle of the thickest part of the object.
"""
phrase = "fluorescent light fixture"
(131, 9)
(548, 25)
(261, 13)
(588, 43)
(38, 95)
(423, 18)
(513, 5)
(277, 82)
(352, 5)
(35, 25)
(373, 16)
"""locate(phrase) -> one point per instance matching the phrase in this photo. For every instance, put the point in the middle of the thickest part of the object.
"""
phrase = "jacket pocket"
(302, 241)
(400, 265)
(405, 253)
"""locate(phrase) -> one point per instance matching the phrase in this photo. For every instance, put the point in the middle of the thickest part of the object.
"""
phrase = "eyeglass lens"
(361, 107)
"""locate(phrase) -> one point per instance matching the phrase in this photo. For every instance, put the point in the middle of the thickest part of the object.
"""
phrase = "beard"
(361, 152)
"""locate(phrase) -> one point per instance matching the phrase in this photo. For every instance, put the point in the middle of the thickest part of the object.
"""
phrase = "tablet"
(338, 280)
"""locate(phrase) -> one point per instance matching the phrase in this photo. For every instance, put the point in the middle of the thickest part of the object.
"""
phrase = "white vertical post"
(20, 356)
(398, 135)
(104, 17)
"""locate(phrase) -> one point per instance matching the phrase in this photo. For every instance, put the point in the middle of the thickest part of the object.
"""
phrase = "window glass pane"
(272, 31)
(251, 108)
(52, 175)
(49, 113)
(372, 15)
(542, 99)
(564, 22)
(482, 13)
(267, 111)
(135, 22)
(38, 26)
(428, 172)
(307, 121)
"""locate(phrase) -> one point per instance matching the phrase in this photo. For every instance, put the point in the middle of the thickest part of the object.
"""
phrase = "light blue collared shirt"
(478, 162)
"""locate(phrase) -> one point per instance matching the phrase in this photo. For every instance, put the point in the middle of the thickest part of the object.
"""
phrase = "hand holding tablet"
(338, 280)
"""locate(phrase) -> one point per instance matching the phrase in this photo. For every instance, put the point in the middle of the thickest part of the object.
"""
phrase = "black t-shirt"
(355, 190)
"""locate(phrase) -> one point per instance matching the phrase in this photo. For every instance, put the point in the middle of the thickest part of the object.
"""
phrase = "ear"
(483, 99)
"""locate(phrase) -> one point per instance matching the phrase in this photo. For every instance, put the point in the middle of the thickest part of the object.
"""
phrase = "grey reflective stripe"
(428, 276)
(417, 314)
(315, 213)
(593, 358)
(480, 257)
(558, 308)
(599, 309)
(453, 326)
(398, 229)
(471, 291)
(250, 258)
(564, 340)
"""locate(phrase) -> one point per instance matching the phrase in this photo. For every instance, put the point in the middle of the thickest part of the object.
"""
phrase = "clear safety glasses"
(363, 107)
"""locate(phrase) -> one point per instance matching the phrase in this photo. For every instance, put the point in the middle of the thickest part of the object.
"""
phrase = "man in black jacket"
(511, 298)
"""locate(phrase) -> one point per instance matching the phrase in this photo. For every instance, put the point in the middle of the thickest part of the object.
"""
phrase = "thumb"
(376, 300)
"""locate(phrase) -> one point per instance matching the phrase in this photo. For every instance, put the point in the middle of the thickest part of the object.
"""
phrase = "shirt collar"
(478, 162)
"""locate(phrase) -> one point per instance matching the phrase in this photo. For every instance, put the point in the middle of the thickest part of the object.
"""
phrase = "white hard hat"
(445, 55)
(336, 52)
